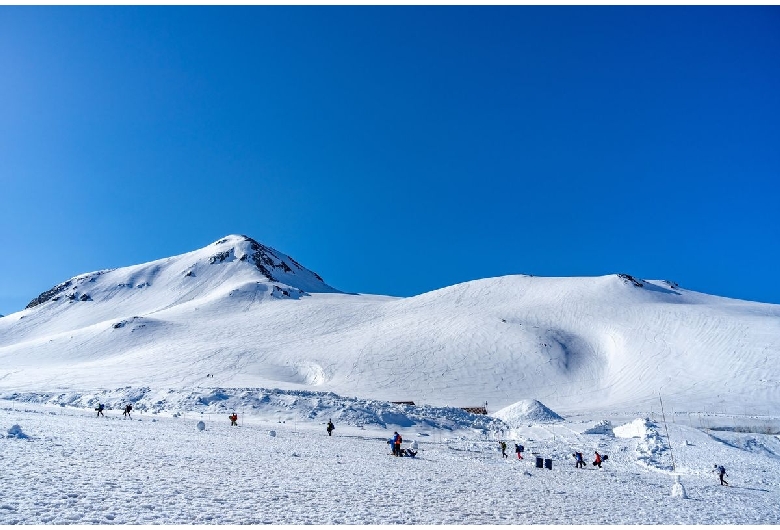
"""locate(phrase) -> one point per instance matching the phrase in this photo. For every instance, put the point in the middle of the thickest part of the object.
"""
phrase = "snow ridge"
(285, 405)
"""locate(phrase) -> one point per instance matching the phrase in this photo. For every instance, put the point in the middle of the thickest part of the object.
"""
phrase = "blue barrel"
(539, 462)
(548, 463)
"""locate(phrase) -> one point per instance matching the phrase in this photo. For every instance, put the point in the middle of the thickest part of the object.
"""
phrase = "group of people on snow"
(518, 450)
(396, 441)
(100, 408)
(579, 461)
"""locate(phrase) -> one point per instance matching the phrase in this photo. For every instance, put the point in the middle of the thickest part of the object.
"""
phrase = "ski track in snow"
(76, 468)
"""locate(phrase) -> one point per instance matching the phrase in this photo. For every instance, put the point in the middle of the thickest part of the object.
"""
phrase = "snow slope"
(237, 314)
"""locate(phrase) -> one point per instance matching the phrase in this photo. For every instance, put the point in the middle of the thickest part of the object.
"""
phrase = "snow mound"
(651, 448)
(522, 412)
(678, 490)
(602, 427)
(638, 428)
(16, 432)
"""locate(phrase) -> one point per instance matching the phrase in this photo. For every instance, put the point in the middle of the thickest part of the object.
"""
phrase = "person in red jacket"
(597, 462)
(233, 419)
(397, 444)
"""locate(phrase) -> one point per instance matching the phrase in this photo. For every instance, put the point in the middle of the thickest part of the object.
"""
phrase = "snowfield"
(562, 365)
(72, 467)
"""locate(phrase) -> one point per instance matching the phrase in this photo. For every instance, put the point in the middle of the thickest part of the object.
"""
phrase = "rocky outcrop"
(56, 292)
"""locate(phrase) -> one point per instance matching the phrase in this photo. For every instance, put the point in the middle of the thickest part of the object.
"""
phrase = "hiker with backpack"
(721, 471)
(503, 449)
(580, 461)
(128, 408)
(519, 450)
(99, 410)
(330, 427)
(597, 461)
(233, 419)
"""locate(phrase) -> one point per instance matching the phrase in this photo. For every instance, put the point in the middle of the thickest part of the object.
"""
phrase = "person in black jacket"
(721, 471)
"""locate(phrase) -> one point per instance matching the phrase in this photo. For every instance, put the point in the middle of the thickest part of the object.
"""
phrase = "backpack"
(520, 448)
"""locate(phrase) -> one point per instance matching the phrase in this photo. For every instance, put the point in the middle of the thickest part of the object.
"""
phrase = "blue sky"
(394, 150)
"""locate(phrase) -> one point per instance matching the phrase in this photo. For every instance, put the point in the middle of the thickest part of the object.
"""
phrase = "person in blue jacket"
(396, 443)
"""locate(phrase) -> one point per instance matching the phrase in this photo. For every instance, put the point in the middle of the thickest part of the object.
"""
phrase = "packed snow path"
(76, 468)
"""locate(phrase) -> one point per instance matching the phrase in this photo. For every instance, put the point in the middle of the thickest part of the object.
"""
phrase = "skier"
(99, 410)
(597, 462)
(503, 449)
(580, 461)
(721, 471)
(519, 450)
(330, 427)
(128, 408)
(233, 419)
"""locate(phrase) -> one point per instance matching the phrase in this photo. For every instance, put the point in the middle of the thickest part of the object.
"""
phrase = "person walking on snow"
(99, 410)
(580, 461)
(233, 419)
(721, 471)
(503, 449)
(128, 408)
(330, 428)
(597, 462)
(519, 450)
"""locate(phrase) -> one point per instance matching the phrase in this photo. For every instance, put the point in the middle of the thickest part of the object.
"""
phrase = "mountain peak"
(240, 259)
(272, 264)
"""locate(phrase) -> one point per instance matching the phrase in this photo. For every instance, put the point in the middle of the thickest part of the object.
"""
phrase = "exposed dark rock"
(52, 294)
(48, 295)
(220, 256)
(629, 278)
(85, 298)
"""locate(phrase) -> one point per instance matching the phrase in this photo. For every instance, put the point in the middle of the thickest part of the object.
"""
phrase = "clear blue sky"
(395, 150)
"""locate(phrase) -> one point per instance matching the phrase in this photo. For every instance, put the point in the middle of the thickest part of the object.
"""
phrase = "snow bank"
(638, 428)
(602, 427)
(281, 405)
(520, 413)
(651, 448)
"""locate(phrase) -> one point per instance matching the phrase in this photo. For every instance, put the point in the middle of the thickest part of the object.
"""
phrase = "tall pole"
(663, 415)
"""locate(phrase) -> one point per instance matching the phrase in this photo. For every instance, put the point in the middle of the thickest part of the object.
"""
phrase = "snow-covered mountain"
(239, 314)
